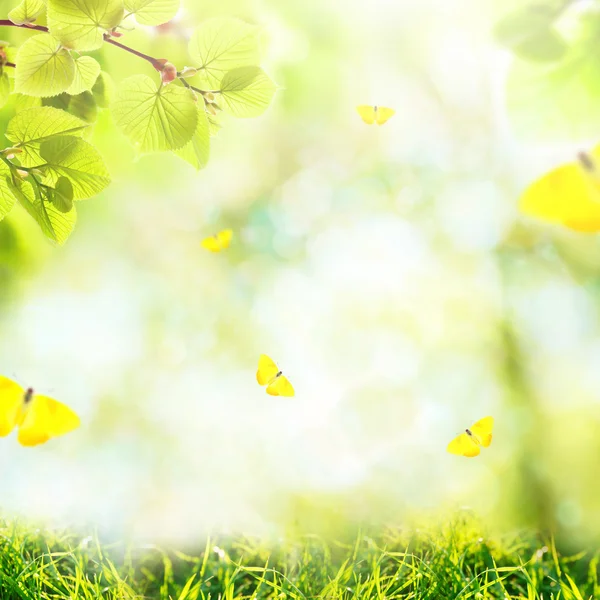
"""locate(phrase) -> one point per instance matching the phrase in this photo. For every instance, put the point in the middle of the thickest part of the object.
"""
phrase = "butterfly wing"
(281, 387)
(483, 430)
(463, 445)
(367, 113)
(568, 194)
(46, 418)
(11, 398)
(211, 243)
(267, 370)
(384, 114)
(224, 238)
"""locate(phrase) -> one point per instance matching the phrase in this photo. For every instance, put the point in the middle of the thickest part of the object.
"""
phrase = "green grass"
(456, 560)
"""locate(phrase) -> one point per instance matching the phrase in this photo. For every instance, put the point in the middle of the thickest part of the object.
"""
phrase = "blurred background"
(386, 270)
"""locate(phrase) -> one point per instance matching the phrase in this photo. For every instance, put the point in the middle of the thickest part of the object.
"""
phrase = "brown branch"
(155, 62)
(9, 23)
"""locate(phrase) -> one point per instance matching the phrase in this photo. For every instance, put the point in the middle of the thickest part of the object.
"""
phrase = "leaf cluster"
(59, 89)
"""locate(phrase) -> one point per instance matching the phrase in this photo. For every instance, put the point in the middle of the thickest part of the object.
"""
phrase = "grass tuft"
(454, 561)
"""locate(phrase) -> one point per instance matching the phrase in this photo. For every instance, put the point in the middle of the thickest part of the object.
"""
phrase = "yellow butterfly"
(219, 241)
(569, 194)
(38, 418)
(470, 442)
(375, 114)
(269, 374)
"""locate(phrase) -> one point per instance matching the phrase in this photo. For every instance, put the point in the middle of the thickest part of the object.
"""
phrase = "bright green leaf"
(221, 44)
(86, 72)
(4, 89)
(152, 12)
(27, 12)
(7, 197)
(247, 91)
(55, 224)
(81, 24)
(103, 90)
(33, 126)
(23, 102)
(62, 195)
(78, 161)
(197, 151)
(213, 125)
(155, 119)
(44, 68)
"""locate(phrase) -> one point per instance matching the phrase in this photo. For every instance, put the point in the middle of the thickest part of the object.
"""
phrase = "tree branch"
(155, 62)
(9, 23)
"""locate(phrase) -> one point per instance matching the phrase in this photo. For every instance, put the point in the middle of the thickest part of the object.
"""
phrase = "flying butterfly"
(470, 442)
(269, 374)
(375, 114)
(219, 241)
(38, 418)
(568, 195)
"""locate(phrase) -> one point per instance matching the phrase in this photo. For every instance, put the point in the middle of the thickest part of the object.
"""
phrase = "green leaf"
(558, 101)
(78, 161)
(31, 127)
(84, 106)
(23, 102)
(152, 12)
(197, 151)
(86, 72)
(155, 119)
(44, 68)
(7, 198)
(103, 90)
(55, 224)
(81, 24)
(530, 34)
(544, 46)
(221, 44)
(247, 92)
(62, 195)
(61, 101)
(27, 12)
(519, 25)
(4, 89)
(213, 125)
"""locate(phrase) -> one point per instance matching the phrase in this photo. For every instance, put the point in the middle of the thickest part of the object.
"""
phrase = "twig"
(155, 62)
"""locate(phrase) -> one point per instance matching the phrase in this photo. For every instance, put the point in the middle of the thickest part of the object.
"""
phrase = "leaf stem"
(155, 62)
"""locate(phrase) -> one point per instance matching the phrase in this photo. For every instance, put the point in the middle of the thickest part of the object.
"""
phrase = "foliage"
(458, 560)
(59, 91)
(553, 90)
